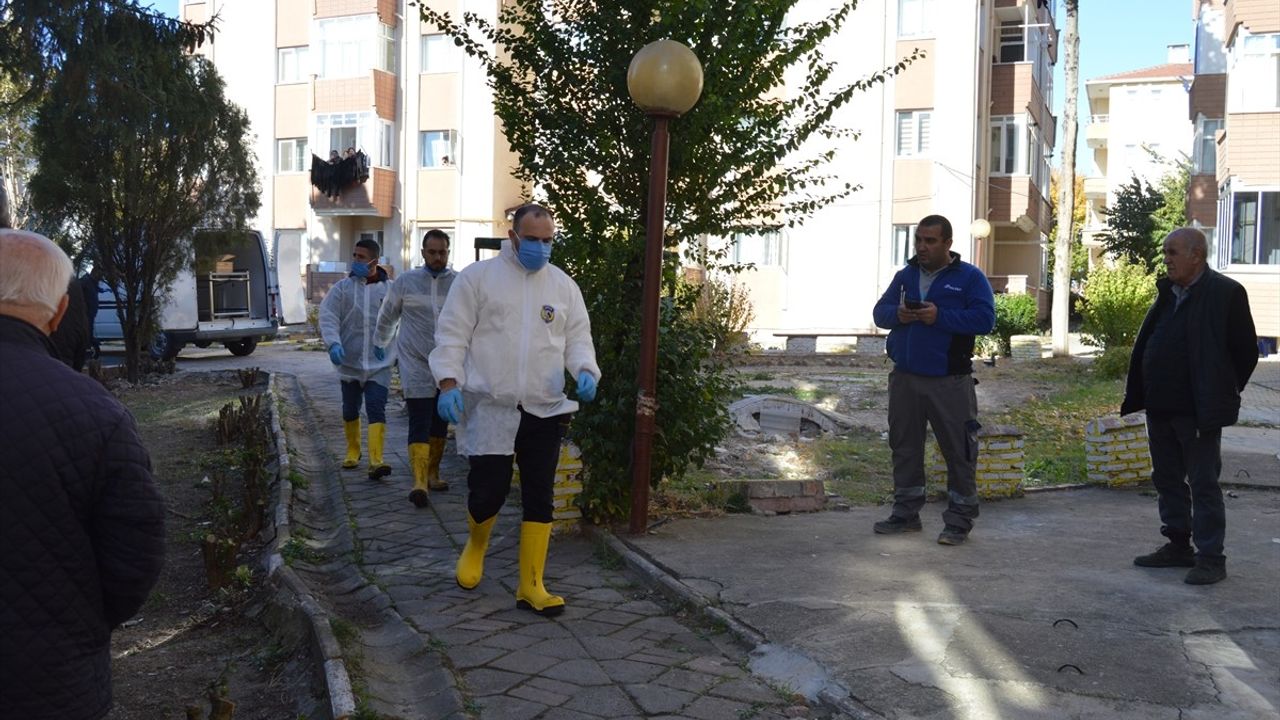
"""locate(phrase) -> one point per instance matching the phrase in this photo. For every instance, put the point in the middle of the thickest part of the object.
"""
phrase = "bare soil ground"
(187, 640)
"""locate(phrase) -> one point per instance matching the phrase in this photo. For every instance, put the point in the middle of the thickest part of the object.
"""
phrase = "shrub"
(1114, 302)
(1015, 315)
(1113, 362)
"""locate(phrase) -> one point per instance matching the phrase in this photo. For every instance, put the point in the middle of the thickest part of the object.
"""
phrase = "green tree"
(137, 146)
(1131, 224)
(742, 161)
(1172, 187)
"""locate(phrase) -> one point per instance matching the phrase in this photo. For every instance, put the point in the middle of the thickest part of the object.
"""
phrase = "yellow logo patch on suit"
(548, 313)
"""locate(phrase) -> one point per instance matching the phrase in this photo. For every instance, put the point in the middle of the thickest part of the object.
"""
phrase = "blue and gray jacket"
(966, 308)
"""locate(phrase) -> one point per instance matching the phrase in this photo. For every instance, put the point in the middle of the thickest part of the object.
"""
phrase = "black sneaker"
(1170, 555)
(1206, 572)
(895, 525)
(953, 535)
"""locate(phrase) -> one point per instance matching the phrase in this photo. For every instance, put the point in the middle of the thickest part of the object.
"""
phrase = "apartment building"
(1137, 127)
(967, 132)
(1234, 193)
(321, 76)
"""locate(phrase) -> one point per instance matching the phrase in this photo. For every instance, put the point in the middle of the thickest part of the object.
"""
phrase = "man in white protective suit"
(510, 329)
(409, 315)
(348, 314)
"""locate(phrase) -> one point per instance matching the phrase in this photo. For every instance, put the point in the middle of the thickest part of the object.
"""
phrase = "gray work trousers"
(1185, 465)
(950, 405)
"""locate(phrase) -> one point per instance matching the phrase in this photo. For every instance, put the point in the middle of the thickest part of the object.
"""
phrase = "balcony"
(1095, 135)
(374, 197)
(1095, 187)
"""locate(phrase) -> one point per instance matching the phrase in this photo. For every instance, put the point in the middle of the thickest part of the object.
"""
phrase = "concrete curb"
(833, 695)
(337, 681)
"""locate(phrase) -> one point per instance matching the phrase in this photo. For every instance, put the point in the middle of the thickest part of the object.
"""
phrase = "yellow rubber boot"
(471, 561)
(377, 439)
(433, 465)
(351, 428)
(418, 462)
(531, 595)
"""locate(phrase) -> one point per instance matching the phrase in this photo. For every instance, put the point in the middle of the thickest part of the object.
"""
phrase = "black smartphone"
(913, 304)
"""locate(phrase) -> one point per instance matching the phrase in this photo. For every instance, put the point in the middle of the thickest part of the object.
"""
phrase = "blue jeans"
(424, 422)
(375, 401)
(1185, 464)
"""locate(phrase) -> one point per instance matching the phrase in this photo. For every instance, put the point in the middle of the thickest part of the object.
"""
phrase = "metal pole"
(647, 401)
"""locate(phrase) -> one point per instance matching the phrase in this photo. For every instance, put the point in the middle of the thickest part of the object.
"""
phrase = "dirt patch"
(188, 641)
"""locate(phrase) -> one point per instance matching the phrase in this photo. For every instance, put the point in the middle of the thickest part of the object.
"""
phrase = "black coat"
(74, 336)
(1223, 348)
(81, 531)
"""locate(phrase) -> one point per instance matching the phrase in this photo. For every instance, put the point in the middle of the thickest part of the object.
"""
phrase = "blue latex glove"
(379, 354)
(586, 386)
(336, 353)
(449, 405)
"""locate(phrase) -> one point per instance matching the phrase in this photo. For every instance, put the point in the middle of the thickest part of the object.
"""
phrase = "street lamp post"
(665, 80)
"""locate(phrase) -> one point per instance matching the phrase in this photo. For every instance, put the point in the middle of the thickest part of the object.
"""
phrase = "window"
(913, 132)
(915, 17)
(439, 54)
(339, 131)
(291, 65)
(386, 145)
(1013, 42)
(352, 46)
(1255, 228)
(1205, 153)
(1009, 141)
(291, 155)
(439, 148)
(387, 41)
(764, 249)
(1253, 80)
(904, 245)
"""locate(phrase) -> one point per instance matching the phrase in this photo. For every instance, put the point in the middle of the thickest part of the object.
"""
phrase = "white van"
(233, 299)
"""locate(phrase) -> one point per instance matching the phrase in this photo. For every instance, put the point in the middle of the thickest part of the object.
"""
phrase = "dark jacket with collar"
(81, 531)
(966, 309)
(1223, 350)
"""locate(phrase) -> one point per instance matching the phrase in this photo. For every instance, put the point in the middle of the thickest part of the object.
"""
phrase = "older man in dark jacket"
(1194, 354)
(81, 521)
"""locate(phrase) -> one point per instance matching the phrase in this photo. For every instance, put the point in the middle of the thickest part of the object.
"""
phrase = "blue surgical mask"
(533, 254)
(360, 269)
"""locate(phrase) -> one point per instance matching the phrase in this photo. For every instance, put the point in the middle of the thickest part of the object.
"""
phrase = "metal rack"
(226, 288)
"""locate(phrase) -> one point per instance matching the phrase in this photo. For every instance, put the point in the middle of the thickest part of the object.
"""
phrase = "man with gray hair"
(81, 521)
(1193, 356)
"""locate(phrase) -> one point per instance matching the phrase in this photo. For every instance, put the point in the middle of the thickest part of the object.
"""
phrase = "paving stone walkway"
(617, 651)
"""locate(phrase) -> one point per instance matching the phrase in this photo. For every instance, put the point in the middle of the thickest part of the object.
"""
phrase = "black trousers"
(424, 422)
(537, 454)
(1185, 464)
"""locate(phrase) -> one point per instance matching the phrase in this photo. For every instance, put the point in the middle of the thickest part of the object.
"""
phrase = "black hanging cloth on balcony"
(332, 177)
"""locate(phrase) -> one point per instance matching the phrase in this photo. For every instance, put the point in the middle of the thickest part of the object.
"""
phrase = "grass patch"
(698, 494)
(860, 465)
(810, 394)
(1054, 424)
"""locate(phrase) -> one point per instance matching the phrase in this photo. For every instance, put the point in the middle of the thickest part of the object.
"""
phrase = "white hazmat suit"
(348, 315)
(413, 304)
(507, 336)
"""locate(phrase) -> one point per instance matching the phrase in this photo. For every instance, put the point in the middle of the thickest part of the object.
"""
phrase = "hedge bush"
(1015, 315)
(1113, 304)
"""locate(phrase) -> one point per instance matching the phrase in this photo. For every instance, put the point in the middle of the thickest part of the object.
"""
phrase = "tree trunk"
(1067, 185)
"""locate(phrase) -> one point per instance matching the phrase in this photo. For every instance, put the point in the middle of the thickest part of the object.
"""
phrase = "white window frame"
(1204, 153)
(439, 54)
(386, 149)
(1016, 38)
(902, 245)
(1227, 223)
(1001, 126)
(325, 123)
(387, 48)
(292, 58)
(1253, 73)
(450, 136)
(296, 149)
(920, 126)
(347, 46)
(915, 18)
(770, 249)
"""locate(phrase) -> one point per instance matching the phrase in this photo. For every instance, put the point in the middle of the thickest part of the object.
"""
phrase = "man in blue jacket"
(933, 309)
